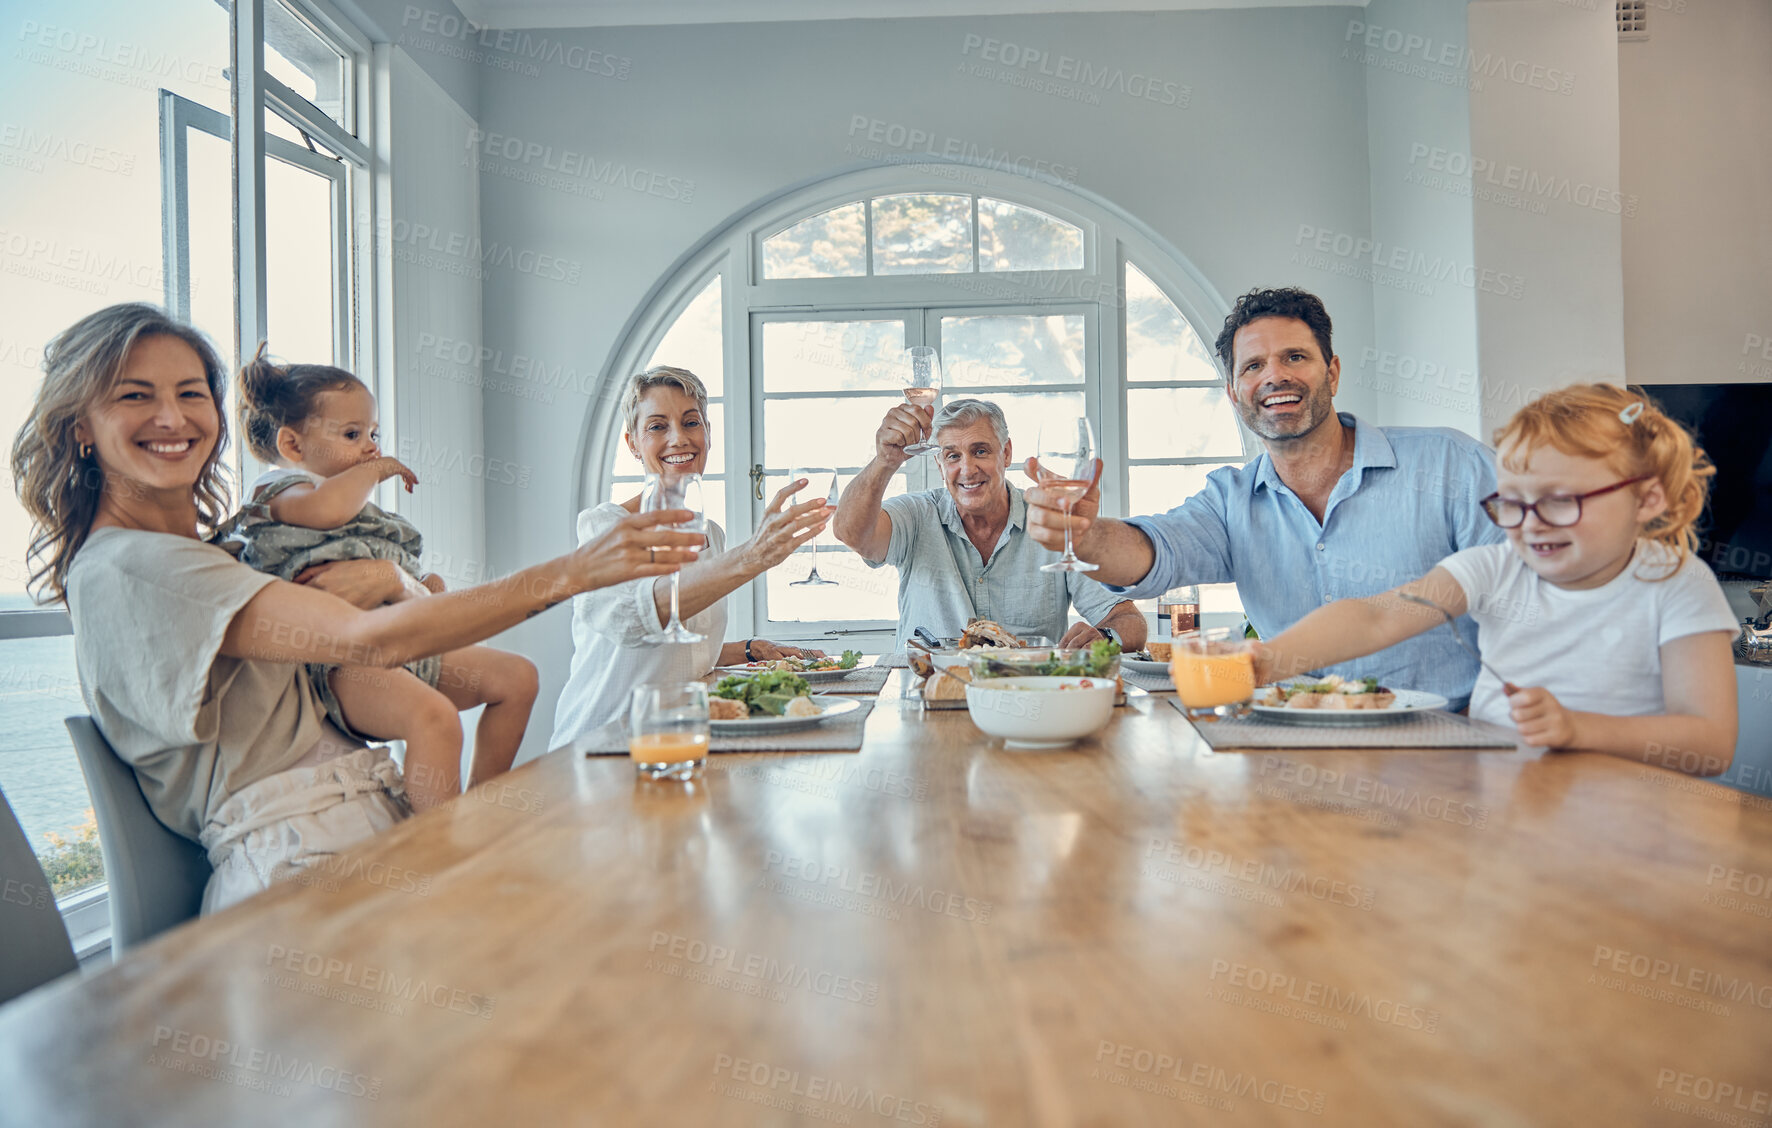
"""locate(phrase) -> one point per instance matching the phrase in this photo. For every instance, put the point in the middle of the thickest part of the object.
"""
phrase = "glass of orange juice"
(1214, 673)
(668, 730)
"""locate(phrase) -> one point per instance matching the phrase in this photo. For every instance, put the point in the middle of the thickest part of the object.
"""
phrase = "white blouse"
(608, 657)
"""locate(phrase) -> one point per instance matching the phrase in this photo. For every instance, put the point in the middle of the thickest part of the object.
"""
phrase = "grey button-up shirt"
(942, 583)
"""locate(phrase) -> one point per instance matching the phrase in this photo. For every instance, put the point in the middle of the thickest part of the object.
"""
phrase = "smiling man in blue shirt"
(1334, 509)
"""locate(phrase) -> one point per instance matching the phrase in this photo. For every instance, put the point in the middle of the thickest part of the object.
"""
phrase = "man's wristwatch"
(1108, 633)
(747, 650)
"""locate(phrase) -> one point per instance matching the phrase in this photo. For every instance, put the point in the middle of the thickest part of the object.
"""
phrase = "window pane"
(210, 191)
(1011, 237)
(833, 356)
(697, 340)
(1181, 423)
(922, 234)
(1158, 489)
(824, 432)
(38, 770)
(1160, 344)
(982, 351)
(1025, 412)
(300, 59)
(860, 592)
(299, 266)
(831, 244)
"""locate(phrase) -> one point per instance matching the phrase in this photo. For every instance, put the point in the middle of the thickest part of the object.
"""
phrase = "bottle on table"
(1178, 611)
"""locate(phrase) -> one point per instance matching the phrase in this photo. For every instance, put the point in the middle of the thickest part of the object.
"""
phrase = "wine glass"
(821, 482)
(675, 492)
(668, 730)
(1066, 453)
(922, 385)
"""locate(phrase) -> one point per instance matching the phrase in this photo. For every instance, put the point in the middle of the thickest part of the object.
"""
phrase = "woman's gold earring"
(85, 450)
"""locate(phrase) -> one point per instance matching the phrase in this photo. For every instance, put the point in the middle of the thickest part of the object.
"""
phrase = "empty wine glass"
(922, 385)
(1065, 450)
(675, 491)
(821, 482)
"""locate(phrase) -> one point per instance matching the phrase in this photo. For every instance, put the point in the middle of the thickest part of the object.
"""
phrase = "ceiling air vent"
(1633, 20)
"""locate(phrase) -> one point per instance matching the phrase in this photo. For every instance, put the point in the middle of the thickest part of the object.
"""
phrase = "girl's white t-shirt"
(1597, 651)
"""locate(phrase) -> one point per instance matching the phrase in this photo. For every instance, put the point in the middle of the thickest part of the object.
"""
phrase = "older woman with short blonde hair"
(665, 427)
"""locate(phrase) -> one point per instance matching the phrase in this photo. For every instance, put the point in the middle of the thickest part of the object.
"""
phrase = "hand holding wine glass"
(922, 385)
(1066, 466)
(675, 492)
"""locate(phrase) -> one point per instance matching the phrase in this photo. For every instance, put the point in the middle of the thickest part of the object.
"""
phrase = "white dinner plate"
(1408, 701)
(813, 677)
(833, 707)
(1143, 665)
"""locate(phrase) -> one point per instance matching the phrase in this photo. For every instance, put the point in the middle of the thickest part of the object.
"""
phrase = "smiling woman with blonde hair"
(191, 662)
(665, 427)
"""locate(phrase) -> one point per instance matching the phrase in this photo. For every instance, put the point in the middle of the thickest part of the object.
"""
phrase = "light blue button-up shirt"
(1408, 502)
(943, 584)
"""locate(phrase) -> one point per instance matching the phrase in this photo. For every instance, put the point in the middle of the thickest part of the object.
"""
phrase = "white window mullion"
(248, 128)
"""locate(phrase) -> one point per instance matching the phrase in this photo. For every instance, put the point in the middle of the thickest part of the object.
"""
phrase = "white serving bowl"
(1036, 713)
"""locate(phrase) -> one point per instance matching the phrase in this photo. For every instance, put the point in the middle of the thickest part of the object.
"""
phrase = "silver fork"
(1507, 687)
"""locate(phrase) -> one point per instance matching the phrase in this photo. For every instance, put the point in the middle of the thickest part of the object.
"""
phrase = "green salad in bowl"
(1100, 659)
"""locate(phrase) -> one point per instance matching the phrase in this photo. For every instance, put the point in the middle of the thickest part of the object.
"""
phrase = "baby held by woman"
(316, 425)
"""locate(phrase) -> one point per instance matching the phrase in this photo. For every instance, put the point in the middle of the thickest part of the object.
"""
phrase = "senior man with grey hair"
(962, 551)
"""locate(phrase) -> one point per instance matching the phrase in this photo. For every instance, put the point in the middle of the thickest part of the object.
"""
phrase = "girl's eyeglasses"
(1558, 510)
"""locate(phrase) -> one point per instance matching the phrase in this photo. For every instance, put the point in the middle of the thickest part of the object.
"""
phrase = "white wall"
(437, 415)
(1272, 139)
(1422, 364)
(1550, 305)
(437, 405)
(1695, 125)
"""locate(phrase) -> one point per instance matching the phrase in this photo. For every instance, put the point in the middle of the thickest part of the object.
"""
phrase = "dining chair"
(31, 931)
(156, 877)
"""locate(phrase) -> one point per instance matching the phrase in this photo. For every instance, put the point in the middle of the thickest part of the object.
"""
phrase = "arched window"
(797, 317)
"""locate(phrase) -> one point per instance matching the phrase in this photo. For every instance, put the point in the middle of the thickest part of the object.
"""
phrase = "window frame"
(1111, 239)
(357, 310)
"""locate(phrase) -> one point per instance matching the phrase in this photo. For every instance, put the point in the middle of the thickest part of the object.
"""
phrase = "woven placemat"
(896, 661)
(862, 680)
(1150, 683)
(839, 734)
(1429, 728)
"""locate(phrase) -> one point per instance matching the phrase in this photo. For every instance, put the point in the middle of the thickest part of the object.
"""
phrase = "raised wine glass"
(821, 482)
(922, 385)
(1065, 450)
(675, 491)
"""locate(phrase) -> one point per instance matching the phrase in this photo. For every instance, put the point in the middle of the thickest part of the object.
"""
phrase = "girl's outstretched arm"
(1354, 628)
(339, 498)
(1696, 734)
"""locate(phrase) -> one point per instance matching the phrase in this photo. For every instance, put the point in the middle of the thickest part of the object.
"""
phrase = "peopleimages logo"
(1408, 52)
(1369, 255)
(1073, 78)
(1505, 178)
(571, 166)
(510, 49)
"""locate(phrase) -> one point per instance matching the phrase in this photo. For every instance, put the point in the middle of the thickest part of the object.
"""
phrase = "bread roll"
(726, 709)
(1160, 651)
(945, 686)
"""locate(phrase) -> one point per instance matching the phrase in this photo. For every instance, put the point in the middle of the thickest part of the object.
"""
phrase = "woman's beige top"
(149, 612)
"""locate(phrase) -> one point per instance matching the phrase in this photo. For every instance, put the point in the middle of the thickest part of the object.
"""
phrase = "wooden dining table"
(940, 930)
